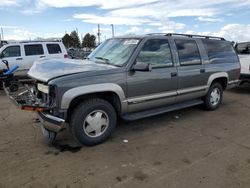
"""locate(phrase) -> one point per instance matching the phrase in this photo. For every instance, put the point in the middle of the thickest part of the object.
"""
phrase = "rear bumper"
(51, 123)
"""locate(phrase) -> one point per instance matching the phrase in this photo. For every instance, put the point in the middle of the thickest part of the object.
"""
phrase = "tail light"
(66, 56)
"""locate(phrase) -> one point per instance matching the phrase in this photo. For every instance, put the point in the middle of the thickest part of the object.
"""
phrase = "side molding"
(214, 76)
(69, 95)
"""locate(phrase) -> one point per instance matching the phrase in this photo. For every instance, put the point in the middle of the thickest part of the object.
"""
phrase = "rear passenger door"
(192, 81)
(32, 52)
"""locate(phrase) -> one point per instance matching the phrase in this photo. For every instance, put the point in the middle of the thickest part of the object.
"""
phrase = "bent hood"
(47, 69)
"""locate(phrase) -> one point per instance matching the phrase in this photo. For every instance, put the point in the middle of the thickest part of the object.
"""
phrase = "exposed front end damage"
(39, 98)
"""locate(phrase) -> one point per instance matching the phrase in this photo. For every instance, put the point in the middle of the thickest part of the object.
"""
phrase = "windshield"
(243, 48)
(114, 51)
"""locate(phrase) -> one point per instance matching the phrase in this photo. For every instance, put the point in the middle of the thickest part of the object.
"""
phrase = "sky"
(30, 19)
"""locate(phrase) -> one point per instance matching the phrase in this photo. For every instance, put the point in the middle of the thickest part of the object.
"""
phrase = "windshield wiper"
(107, 61)
(103, 58)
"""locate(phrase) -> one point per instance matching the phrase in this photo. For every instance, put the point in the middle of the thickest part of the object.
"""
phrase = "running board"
(157, 111)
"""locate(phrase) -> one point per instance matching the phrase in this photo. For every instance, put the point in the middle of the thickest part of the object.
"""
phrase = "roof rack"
(45, 40)
(188, 35)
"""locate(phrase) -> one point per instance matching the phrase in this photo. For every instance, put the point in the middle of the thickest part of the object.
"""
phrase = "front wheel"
(93, 121)
(214, 97)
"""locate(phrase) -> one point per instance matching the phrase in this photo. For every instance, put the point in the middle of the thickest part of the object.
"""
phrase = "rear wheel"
(214, 96)
(93, 121)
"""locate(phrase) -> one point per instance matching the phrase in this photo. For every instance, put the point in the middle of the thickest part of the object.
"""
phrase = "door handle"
(202, 71)
(42, 56)
(173, 74)
(19, 58)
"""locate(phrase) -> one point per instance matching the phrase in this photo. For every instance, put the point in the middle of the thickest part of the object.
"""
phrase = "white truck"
(243, 50)
(23, 54)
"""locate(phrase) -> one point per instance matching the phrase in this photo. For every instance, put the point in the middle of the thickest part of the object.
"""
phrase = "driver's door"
(151, 89)
(12, 54)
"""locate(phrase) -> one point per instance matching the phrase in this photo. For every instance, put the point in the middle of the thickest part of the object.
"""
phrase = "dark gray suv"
(130, 77)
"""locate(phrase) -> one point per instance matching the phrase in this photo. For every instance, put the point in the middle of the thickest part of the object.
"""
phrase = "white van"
(24, 54)
(243, 50)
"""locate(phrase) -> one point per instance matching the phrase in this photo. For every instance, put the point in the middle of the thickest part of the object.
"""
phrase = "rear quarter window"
(33, 49)
(220, 51)
(54, 48)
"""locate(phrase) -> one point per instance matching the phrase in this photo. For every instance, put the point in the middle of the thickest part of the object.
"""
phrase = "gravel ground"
(187, 148)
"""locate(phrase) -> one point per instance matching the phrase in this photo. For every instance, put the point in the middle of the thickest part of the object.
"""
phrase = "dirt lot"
(188, 148)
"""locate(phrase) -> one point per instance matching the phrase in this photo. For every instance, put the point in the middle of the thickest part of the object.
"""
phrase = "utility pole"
(113, 31)
(2, 33)
(99, 35)
(0, 40)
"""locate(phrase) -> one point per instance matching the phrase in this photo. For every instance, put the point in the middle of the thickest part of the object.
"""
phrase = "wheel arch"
(113, 93)
(221, 77)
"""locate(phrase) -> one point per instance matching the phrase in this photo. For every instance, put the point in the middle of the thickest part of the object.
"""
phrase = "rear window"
(220, 51)
(33, 49)
(54, 48)
(243, 48)
(188, 52)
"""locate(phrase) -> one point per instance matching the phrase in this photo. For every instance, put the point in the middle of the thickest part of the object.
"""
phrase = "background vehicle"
(3, 42)
(243, 50)
(23, 54)
(130, 77)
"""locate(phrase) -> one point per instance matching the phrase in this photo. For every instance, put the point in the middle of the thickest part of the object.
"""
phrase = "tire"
(14, 87)
(93, 121)
(214, 97)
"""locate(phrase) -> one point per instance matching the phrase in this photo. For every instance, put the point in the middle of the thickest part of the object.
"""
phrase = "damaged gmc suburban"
(130, 77)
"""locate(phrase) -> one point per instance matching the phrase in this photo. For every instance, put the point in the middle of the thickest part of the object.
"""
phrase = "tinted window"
(220, 51)
(188, 52)
(12, 51)
(243, 48)
(33, 49)
(156, 52)
(54, 48)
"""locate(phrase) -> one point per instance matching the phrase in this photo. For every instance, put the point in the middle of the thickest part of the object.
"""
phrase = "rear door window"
(188, 52)
(33, 49)
(220, 51)
(54, 48)
(11, 51)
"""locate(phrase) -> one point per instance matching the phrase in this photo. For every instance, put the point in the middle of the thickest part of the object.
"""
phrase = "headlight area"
(43, 88)
(47, 94)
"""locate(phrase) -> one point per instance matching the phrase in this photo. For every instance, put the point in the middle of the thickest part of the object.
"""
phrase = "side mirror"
(139, 66)
(1, 55)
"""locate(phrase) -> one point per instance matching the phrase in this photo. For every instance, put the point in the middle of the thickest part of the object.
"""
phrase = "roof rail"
(29, 41)
(188, 35)
(194, 36)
